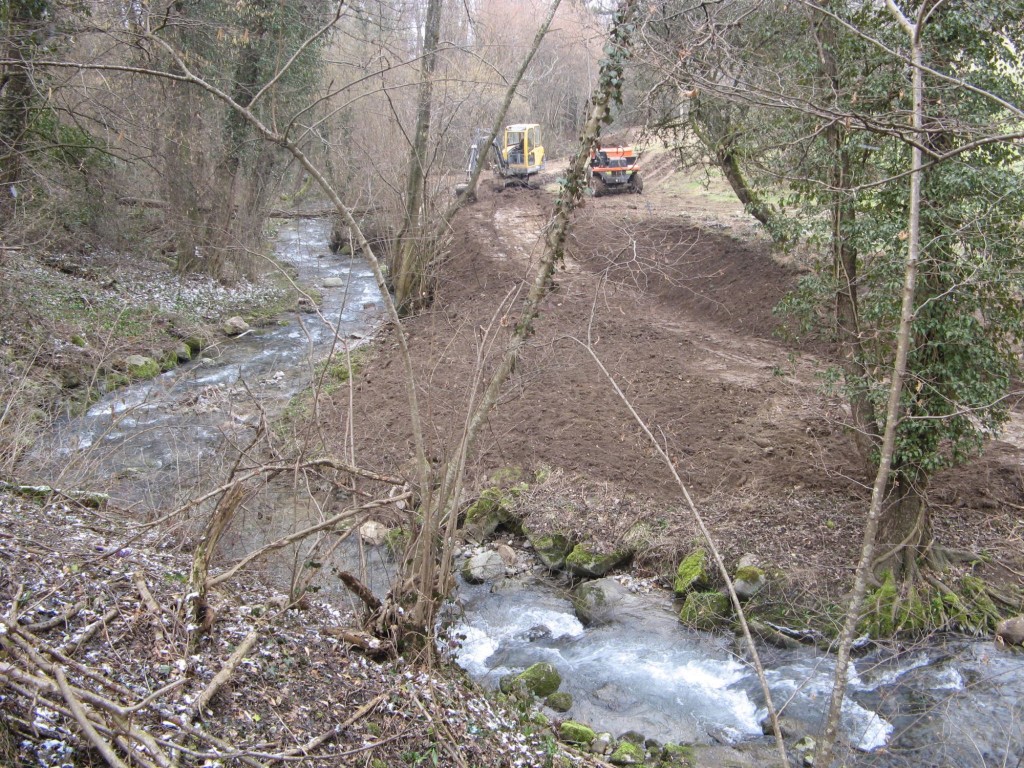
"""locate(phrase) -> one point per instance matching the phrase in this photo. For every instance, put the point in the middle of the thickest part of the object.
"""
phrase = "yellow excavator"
(518, 154)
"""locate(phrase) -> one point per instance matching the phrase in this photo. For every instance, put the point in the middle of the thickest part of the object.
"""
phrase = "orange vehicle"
(614, 169)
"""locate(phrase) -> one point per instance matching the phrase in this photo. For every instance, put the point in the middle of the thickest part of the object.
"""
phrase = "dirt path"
(676, 291)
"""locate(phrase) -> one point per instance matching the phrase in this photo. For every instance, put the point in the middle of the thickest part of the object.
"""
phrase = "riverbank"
(76, 324)
(675, 293)
(107, 609)
(681, 315)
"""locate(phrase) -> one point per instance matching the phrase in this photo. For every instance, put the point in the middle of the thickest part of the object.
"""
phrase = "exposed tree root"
(922, 602)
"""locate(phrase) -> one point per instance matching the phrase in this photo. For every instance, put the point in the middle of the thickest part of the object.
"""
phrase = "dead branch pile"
(96, 667)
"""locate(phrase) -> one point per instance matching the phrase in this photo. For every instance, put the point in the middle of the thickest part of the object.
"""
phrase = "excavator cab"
(522, 150)
(518, 154)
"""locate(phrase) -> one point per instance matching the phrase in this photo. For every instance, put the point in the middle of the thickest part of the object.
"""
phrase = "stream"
(154, 444)
(948, 702)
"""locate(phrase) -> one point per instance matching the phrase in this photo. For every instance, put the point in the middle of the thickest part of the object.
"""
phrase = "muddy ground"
(675, 290)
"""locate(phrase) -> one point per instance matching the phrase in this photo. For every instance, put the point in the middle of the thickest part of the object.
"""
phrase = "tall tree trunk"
(844, 257)
(887, 450)
(413, 251)
(235, 221)
(24, 17)
(183, 199)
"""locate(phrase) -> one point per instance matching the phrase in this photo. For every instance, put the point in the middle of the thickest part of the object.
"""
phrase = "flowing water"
(152, 443)
(946, 703)
(156, 443)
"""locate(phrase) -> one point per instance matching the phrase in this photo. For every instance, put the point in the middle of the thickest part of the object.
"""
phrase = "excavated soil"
(674, 292)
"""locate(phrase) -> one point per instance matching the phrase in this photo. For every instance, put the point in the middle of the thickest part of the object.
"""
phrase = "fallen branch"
(312, 744)
(364, 641)
(60, 618)
(151, 605)
(91, 499)
(360, 590)
(25, 642)
(269, 469)
(224, 674)
(74, 644)
(101, 744)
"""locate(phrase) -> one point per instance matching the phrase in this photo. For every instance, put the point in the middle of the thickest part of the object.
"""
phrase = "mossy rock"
(509, 477)
(168, 362)
(748, 581)
(114, 380)
(692, 573)
(195, 345)
(183, 352)
(79, 340)
(551, 548)
(141, 367)
(890, 610)
(512, 685)
(584, 562)
(627, 753)
(680, 755)
(572, 732)
(705, 610)
(559, 701)
(542, 679)
(491, 510)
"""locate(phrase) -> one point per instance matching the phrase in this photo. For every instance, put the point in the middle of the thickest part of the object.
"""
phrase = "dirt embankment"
(675, 292)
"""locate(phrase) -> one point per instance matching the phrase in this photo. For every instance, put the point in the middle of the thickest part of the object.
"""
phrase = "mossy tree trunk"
(904, 529)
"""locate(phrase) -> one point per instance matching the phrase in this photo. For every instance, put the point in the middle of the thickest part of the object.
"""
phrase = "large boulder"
(586, 562)
(542, 679)
(576, 733)
(551, 548)
(492, 509)
(598, 602)
(141, 367)
(748, 581)
(559, 701)
(482, 567)
(1010, 632)
(627, 753)
(234, 326)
